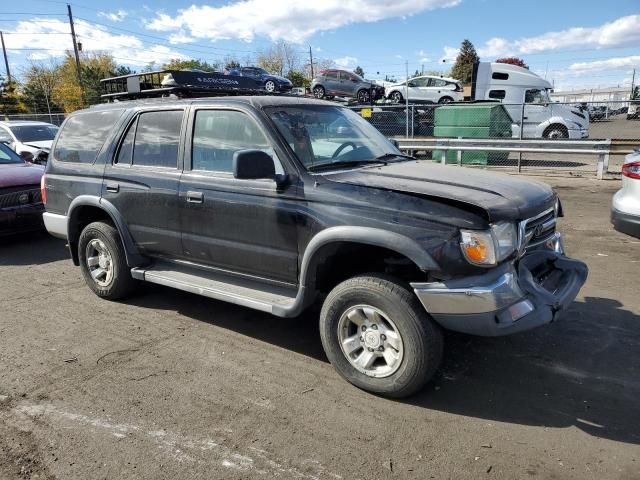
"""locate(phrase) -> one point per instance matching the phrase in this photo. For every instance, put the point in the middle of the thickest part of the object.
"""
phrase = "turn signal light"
(631, 170)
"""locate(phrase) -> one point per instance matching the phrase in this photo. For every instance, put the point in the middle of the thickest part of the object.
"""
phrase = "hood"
(279, 78)
(33, 146)
(572, 114)
(16, 174)
(501, 196)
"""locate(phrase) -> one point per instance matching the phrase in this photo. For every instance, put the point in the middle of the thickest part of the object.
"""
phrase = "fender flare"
(369, 236)
(133, 256)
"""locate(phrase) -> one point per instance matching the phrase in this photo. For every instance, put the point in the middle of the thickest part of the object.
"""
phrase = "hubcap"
(270, 86)
(99, 262)
(370, 341)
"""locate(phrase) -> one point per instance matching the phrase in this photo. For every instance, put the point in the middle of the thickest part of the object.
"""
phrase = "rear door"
(143, 177)
(239, 225)
(331, 82)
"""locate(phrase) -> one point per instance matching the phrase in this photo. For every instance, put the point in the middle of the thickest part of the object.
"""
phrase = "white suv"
(27, 136)
(426, 89)
(625, 208)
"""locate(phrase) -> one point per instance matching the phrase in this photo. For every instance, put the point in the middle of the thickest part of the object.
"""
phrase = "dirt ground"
(169, 385)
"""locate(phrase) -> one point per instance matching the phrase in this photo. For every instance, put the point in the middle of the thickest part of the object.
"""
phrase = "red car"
(21, 204)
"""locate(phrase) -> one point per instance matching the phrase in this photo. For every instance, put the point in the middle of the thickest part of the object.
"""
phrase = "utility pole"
(311, 61)
(6, 61)
(75, 45)
(633, 77)
(406, 96)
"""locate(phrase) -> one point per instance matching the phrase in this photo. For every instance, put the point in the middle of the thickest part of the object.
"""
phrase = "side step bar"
(277, 300)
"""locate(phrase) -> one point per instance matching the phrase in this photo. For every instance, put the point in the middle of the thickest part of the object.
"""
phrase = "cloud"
(180, 37)
(281, 19)
(620, 32)
(346, 62)
(127, 49)
(114, 16)
(615, 63)
(449, 54)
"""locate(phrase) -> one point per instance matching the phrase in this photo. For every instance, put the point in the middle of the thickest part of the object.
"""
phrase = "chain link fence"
(616, 122)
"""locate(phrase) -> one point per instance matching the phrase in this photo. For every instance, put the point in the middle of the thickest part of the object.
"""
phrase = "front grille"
(20, 198)
(536, 230)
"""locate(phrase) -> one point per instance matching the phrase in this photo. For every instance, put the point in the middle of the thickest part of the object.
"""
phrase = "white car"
(27, 136)
(625, 208)
(426, 89)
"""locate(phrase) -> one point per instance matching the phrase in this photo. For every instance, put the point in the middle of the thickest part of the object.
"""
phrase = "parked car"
(300, 91)
(625, 208)
(633, 111)
(597, 112)
(21, 204)
(271, 83)
(427, 89)
(277, 203)
(27, 136)
(342, 83)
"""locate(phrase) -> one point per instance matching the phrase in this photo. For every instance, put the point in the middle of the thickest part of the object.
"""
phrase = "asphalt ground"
(169, 385)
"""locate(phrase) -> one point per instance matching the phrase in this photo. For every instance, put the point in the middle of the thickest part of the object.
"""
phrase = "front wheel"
(556, 132)
(318, 91)
(363, 96)
(378, 337)
(396, 97)
(270, 86)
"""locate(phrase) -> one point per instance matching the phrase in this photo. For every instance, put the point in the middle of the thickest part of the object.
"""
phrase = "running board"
(277, 300)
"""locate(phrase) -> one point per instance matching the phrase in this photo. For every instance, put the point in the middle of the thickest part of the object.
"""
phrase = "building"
(608, 94)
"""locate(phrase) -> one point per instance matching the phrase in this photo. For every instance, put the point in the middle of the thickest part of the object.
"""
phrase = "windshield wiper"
(390, 156)
(344, 164)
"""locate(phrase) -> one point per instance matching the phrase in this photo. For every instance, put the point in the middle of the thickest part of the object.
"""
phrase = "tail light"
(43, 189)
(631, 170)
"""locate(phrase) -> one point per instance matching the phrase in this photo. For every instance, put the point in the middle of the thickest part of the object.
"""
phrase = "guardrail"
(602, 148)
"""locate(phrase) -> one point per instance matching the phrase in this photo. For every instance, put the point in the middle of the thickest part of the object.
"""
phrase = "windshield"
(331, 136)
(34, 133)
(8, 156)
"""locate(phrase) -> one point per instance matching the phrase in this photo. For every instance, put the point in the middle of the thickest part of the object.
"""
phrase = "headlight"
(488, 247)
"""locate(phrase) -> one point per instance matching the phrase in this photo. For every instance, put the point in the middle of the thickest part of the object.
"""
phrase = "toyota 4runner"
(278, 203)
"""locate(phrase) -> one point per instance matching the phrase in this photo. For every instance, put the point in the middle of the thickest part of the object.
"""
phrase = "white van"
(515, 86)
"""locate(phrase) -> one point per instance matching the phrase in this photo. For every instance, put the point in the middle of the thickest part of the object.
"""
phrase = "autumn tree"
(181, 64)
(467, 57)
(513, 61)
(39, 83)
(280, 59)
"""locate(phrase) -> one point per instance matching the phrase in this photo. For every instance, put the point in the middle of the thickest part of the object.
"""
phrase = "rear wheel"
(318, 91)
(103, 263)
(363, 96)
(270, 86)
(377, 335)
(396, 97)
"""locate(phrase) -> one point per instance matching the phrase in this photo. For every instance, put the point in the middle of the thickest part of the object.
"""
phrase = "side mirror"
(27, 156)
(253, 165)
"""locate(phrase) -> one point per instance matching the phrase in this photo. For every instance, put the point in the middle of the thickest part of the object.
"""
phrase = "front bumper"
(578, 134)
(512, 298)
(21, 219)
(626, 223)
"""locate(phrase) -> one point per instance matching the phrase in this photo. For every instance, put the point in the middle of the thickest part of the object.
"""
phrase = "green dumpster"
(472, 120)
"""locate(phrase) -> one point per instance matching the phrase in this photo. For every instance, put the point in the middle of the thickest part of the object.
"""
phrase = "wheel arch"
(88, 208)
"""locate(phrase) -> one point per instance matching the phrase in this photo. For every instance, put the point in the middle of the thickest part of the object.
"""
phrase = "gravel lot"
(171, 385)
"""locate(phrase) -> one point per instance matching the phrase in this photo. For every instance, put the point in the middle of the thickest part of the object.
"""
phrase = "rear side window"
(157, 135)
(331, 75)
(438, 82)
(83, 135)
(497, 94)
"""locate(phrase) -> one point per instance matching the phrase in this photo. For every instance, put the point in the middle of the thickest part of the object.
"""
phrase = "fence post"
(413, 119)
(521, 137)
(459, 155)
(603, 161)
(443, 160)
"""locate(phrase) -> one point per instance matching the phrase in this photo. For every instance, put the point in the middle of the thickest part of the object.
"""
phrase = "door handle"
(525, 118)
(195, 197)
(113, 187)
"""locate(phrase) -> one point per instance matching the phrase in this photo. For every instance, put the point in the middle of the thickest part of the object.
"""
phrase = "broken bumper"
(513, 298)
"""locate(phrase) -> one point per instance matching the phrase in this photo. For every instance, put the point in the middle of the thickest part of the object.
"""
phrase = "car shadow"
(34, 248)
(579, 372)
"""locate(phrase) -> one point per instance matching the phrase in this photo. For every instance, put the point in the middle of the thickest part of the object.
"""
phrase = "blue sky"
(574, 43)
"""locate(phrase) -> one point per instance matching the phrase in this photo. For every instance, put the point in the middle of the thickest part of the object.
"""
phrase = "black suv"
(279, 203)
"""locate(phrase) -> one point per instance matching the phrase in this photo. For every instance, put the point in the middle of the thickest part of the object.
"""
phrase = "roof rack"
(181, 83)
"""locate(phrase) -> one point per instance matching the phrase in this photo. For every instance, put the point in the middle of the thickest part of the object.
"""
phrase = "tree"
(358, 71)
(180, 64)
(298, 79)
(231, 62)
(281, 58)
(513, 61)
(463, 68)
(40, 82)
(9, 98)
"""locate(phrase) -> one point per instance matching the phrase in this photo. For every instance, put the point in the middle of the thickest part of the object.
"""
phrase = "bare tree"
(40, 81)
(281, 58)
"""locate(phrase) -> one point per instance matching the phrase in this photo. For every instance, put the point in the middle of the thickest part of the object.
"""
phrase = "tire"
(100, 242)
(445, 100)
(363, 96)
(396, 97)
(555, 132)
(319, 91)
(415, 348)
(270, 86)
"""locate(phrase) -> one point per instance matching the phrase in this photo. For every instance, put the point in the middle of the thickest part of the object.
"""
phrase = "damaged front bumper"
(512, 298)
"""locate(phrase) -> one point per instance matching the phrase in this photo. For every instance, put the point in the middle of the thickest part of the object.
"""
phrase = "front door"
(243, 226)
(142, 181)
(536, 112)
